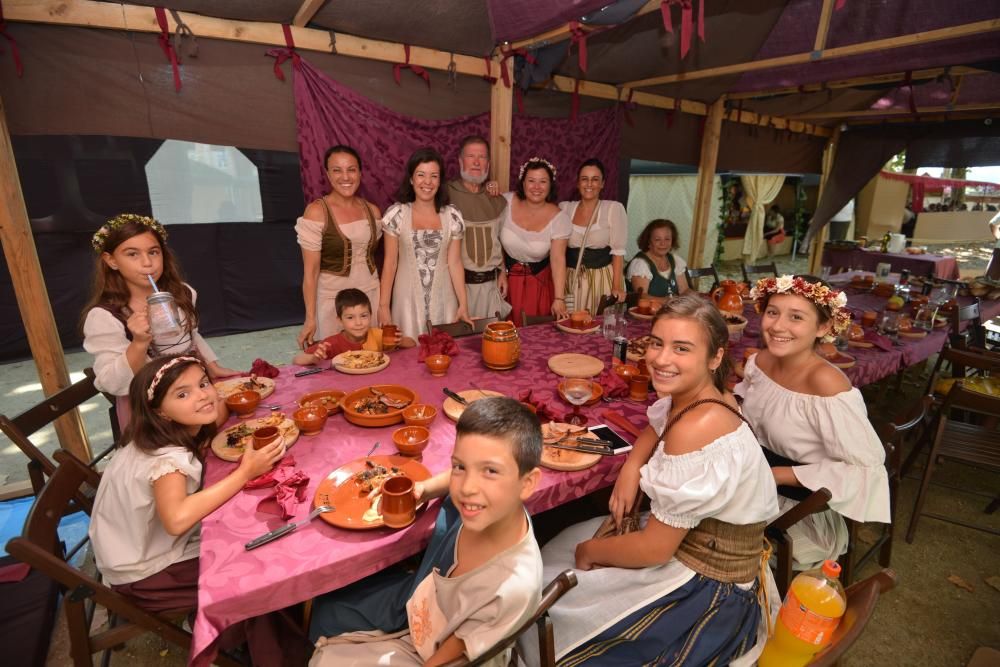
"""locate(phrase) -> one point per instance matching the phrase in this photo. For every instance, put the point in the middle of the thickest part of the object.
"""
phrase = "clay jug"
(727, 296)
(501, 346)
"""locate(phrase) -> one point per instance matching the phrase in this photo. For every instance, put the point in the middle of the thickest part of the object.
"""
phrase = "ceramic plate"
(567, 327)
(598, 391)
(361, 358)
(244, 431)
(263, 386)
(350, 499)
(634, 312)
(389, 417)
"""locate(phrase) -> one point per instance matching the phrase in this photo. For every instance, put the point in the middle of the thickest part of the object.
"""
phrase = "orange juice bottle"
(809, 615)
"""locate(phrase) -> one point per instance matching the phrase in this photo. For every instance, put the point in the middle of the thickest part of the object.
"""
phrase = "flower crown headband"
(163, 369)
(524, 167)
(120, 220)
(833, 301)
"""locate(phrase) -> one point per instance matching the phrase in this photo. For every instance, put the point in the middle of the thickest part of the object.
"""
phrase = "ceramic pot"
(727, 296)
(501, 346)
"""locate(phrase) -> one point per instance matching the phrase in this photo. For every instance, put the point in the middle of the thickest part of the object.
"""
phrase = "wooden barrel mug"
(501, 346)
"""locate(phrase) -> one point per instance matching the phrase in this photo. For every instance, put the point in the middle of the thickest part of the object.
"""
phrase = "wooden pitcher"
(501, 346)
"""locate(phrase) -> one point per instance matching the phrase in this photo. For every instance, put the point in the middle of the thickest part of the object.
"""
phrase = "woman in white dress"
(656, 269)
(689, 583)
(594, 257)
(338, 234)
(534, 234)
(422, 275)
(812, 423)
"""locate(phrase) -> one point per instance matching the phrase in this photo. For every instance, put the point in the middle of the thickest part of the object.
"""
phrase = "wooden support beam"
(563, 32)
(306, 12)
(918, 77)
(913, 39)
(32, 298)
(824, 25)
(868, 113)
(501, 118)
(816, 247)
(703, 202)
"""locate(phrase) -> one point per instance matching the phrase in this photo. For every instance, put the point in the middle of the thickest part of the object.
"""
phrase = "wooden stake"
(559, 34)
(867, 113)
(32, 298)
(824, 25)
(706, 180)
(914, 39)
(501, 118)
(919, 77)
(306, 12)
(816, 247)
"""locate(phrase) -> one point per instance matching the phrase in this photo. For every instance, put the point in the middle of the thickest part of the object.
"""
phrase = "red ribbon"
(840, 4)
(489, 70)
(416, 69)
(628, 107)
(579, 37)
(908, 84)
(18, 65)
(281, 55)
(672, 113)
(574, 106)
(507, 55)
(687, 21)
(168, 48)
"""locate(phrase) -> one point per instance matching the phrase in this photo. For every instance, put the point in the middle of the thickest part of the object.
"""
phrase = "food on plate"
(360, 359)
(329, 401)
(856, 332)
(895, 303)
(374, 475)
(370, 406)
(371, 514)
(250, 384)
(241, 435)
(555, 431)
(637, 346)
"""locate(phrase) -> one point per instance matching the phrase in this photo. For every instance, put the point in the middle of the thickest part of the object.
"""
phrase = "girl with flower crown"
(131, 249)
(811, 422)
(145, 523)
(534, 234)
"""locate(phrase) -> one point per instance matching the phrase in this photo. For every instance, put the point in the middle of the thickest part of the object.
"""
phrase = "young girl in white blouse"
(812, 423)
(148, 508)
(131, 249)
(687, 586)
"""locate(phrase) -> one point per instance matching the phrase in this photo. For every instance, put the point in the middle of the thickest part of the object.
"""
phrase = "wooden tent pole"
(869, 113)
(816, 247)
(825, 14)
(501, 118)
(306, 12)
(919, 76)
(706, 180)
(563, 32)
(32, 298)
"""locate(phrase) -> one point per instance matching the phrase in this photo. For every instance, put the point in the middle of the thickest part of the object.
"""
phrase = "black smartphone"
(618, 444)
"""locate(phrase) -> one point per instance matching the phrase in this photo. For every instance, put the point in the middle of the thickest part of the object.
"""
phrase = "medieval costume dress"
(590, 277)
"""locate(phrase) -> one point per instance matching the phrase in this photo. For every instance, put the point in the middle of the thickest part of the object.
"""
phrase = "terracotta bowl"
(419, 415)
(736, 324)
(243, 403)
(411, 440)
(387, 418)
(580, 318)
(625, 371)
(438, 364)
(310, 419)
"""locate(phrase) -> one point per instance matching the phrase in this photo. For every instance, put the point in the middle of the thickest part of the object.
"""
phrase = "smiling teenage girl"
(812, 423)
(131, 249)
(686, 584)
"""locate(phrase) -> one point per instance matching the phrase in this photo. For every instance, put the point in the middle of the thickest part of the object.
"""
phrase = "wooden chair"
(459, 329)
(694, 275)
(757, 269)
(606, 300)
(39, 547)
(479, 325)
(531, 320)
(964, 441)
(861, 600)
(546, 635)
(20, 428)
(777, 531)
(966, 330)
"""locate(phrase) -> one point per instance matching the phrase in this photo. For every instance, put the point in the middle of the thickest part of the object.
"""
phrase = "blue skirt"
(704, 622)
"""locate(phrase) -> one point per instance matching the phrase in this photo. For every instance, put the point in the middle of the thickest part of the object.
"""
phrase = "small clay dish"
(243, 403)
(438, 364)
(419, 415)
(310, 419)
(625, 371)
(411, 440)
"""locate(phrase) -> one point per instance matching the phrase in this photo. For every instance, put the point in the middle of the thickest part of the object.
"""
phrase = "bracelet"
(559, 298)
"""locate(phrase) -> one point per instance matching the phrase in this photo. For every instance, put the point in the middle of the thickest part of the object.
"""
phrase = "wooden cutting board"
(567, 460)
(575, 365)
(453, 409)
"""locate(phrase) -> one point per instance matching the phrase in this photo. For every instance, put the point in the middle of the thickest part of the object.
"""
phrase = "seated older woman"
(655, 269)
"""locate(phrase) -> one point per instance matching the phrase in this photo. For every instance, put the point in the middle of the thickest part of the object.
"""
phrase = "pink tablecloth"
(235, 584)
(939, 266)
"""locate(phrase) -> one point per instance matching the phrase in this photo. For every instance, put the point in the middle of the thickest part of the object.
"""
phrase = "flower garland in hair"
(832, 301)
(101, 235)
(524, 167)
(166, 367)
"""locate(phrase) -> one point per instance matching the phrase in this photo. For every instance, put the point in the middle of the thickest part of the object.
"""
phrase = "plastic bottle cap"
(831, 568)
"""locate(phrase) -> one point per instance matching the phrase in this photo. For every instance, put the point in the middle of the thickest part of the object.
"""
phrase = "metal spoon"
(287, 528)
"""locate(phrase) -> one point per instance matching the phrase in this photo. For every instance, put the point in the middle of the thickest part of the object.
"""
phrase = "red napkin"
(14, 572)
(437, 342)
(261, 368)
(289, 488)
(543, 409)
(612, 384)
(878, 340)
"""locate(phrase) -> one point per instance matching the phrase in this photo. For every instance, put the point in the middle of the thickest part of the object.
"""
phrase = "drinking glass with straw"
(164, 319)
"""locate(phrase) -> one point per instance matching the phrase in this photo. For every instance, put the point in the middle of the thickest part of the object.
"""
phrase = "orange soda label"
(805, 624)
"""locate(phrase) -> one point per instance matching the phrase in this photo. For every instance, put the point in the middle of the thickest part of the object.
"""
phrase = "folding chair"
(39, 547)
(546, 635)
(531, 320)
(966, 330)
(459, 329)
(693, 276)
(861, 600)
(20, 428)
(757, 269)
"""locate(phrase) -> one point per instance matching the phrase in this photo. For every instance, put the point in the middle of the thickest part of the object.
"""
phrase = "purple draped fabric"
(329, 113)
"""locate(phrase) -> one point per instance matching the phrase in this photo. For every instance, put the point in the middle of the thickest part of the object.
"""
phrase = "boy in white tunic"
(495, 580)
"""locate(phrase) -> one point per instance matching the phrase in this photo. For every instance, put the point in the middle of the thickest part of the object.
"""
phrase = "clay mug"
(638, 387)
(399, 507)
(390, 336)
(264, 436)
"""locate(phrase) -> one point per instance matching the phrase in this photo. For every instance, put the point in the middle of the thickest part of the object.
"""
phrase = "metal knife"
(586, 449)
(455, 397)
(287, 528)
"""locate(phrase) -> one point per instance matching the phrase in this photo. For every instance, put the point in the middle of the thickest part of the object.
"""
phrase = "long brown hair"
(110, 291)
(146, 428)
(692, 307)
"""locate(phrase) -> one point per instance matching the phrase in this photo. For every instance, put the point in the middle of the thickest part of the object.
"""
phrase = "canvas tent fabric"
(922, 184)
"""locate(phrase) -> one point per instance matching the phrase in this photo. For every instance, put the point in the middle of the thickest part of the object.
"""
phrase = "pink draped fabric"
(329, 113)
